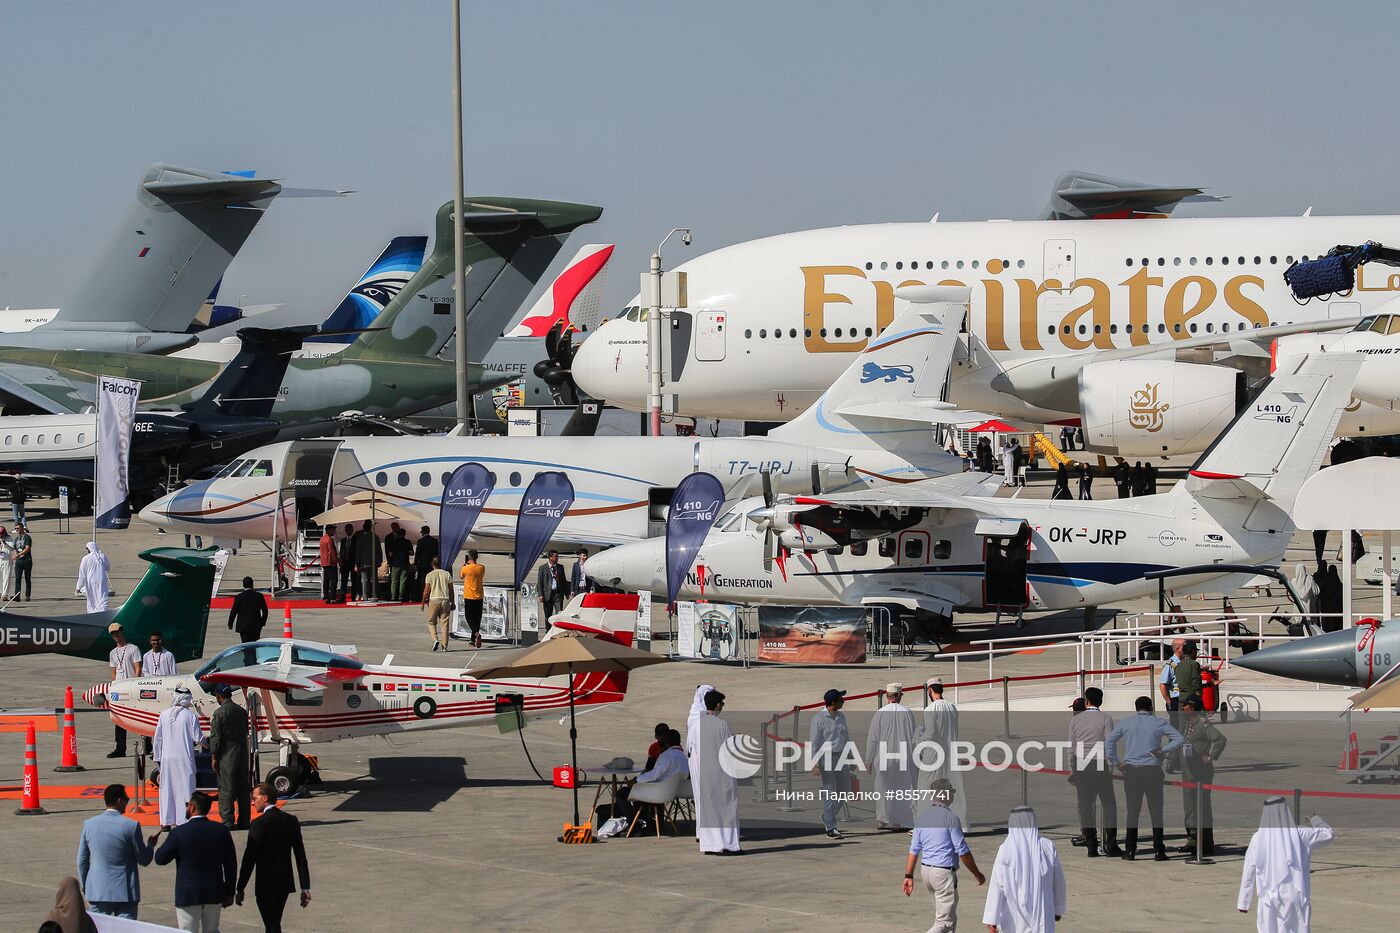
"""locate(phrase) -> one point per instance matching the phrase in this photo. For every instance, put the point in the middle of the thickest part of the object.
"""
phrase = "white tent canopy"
(1363, 495)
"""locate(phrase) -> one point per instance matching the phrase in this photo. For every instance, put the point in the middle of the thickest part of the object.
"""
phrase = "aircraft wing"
(941, 413)
(593, 538)
(270, 676)
(45, 388)
(960, 491)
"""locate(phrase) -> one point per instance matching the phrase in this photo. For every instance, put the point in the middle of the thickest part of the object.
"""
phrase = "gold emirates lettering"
(1090, 304)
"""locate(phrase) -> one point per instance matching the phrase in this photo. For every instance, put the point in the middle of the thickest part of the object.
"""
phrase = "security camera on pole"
(654, 284)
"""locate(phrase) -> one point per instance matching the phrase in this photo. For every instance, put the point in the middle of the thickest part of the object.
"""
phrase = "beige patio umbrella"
(362, 506)
(569, 653)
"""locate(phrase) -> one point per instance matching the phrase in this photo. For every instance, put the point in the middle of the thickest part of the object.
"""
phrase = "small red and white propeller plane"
(310, 691)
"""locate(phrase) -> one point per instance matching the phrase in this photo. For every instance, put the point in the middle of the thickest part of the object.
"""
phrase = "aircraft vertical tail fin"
(508, 245)
(247, 387)
(1278, 440)
(380, 284)
(171, 248)
(575, 296)
(172, 598)
(892, 392)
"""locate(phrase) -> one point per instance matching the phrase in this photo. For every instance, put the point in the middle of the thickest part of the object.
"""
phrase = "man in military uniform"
(228, 748)
(1204, 744)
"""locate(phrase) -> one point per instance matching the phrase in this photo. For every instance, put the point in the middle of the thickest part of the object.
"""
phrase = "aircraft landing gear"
(293, 772)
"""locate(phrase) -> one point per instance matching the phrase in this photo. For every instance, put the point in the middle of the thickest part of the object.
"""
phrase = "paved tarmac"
(451, 830)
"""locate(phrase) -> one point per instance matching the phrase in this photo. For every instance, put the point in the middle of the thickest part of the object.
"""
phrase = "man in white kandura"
(1027, 890)
(94, 582)
(889, 753)
(940, 728)
(1276, 868)
(177, 734)
(716, 793)
(692, 720)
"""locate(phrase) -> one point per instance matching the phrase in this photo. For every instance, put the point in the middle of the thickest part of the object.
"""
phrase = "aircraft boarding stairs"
(307, 555)
(1379, 764)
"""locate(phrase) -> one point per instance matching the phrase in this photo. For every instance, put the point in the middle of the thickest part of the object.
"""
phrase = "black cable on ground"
(520, 728)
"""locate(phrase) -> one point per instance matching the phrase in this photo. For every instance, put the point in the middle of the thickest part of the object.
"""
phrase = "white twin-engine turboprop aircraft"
(872, 427)
(1150, 334)
(929, 548)
(314, 692)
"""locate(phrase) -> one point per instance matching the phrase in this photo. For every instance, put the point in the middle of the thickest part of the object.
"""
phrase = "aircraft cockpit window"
(1365, 324)
(238, 656)
(264, 468)
(244, 468)
(729, 522)
(315, 657)
(228, 469)
(1394, 327)
(634, 314)
(1382, 322)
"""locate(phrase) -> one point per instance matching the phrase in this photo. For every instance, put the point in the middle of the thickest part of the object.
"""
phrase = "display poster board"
(707, 631)
(812, 634)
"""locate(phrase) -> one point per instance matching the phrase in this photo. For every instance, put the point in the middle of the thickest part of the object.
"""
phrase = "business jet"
(872, 427)
(933, 550)
(312, 692)
(1150, 335)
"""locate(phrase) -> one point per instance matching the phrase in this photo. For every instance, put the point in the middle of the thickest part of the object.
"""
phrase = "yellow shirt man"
(473, 574)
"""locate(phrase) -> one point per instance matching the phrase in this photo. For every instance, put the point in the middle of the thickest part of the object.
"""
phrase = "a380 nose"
(606, 366)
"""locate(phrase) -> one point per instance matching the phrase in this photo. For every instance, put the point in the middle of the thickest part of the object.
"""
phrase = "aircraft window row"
(1083, 329)
(1210, 261)
(993, 265)
(792, 332)
(39, 440)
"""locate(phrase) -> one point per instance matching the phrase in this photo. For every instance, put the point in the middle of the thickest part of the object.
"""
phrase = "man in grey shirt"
(829, 738)
(1141, 764)
(1093, 779)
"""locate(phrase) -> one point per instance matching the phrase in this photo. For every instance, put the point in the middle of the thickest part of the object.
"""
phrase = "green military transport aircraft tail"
(172, 598)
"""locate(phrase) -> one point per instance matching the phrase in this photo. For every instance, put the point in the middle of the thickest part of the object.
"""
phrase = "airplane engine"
(1156, 408)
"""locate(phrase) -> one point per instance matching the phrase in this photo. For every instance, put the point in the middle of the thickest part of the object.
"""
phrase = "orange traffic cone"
(286, 621)
(29, 805)
(69, 758)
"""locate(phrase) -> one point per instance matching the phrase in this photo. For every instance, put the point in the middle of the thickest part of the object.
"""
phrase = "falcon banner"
(116, 416)
(546, 501)
(695, 505)
(463, 497)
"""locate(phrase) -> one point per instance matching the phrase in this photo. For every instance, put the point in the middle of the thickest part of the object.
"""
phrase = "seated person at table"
(655, 748)
(670, 761)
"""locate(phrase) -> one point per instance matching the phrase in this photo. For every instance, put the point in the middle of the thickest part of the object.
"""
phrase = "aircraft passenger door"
(709, 335)
(1006, 550)
(1059, 261)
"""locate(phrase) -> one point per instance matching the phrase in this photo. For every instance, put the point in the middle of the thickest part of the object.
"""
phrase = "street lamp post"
(459, 303)
(654, 332)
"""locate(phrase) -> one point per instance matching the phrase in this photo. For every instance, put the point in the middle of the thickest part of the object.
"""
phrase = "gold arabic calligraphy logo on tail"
(1144, 410)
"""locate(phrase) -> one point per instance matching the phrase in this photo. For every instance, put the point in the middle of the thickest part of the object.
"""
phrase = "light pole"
(459, 303)
(654, 329)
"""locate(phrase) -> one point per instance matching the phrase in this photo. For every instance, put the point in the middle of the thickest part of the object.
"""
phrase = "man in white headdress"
(692, 720)
(940, 728)
(1276, 867)
(93, 582)
(716, 791)
(1027, 892)
(1008, 463)
(177, 733)
(889, 750)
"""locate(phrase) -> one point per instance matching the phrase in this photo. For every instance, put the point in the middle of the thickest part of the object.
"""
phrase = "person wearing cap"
(940, 728)
(93, 578)
(1092, 778)
(1278, 867)
(1203, 745)
(889, 754)
(936, 847)
(828, 740)
(24, 562)
(177, 734)
(228, 751)
(1027, 893)
(125, 663)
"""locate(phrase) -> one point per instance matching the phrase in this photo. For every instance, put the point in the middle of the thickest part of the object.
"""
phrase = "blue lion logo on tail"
(874, 372)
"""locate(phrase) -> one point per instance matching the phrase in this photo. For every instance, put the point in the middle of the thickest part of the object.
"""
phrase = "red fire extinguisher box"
(564, 776)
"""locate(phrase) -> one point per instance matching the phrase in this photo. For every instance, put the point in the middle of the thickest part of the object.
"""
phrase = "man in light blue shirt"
(828, 740)
(936, 847)
(109, 851)
(1141, 764)
(1166, 683)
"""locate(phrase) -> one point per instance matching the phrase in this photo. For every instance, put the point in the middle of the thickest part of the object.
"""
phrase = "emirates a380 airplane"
(1149, 334)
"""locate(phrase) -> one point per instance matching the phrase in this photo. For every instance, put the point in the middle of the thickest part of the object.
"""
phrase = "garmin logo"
(730, 583)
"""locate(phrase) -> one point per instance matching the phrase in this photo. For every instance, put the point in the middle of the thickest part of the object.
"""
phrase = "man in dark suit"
(206, 867)
(273, 840)
(579, 580)
(424, 550)
(249, 613)
(349, 580)
(553, 588)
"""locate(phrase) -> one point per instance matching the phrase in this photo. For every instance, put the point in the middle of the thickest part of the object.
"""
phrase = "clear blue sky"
(737, 119)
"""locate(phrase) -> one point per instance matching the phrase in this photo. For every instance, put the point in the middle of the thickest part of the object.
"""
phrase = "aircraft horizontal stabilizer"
(940, 413)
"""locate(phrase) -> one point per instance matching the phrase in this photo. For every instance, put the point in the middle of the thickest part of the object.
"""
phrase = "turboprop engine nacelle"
(1156, 408)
